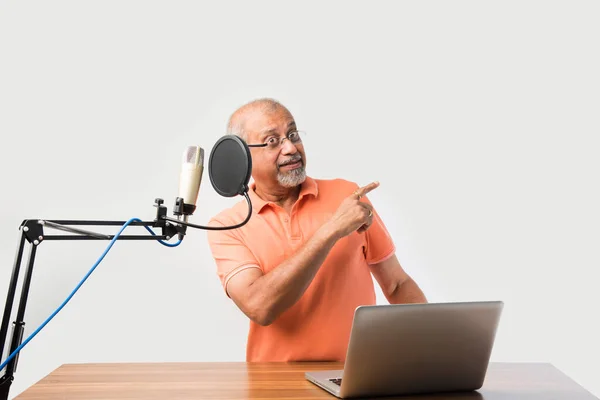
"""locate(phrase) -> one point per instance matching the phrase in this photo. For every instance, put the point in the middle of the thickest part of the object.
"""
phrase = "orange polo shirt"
(317, 327)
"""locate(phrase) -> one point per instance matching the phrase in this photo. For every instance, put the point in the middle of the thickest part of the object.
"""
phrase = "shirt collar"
(308, 187)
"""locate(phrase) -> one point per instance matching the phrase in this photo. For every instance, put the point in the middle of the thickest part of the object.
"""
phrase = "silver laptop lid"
(419, 348)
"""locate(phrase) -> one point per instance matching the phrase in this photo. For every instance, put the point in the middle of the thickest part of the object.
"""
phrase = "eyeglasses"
(273, 143)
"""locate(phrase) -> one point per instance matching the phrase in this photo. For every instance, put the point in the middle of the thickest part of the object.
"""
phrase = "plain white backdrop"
(479, 119)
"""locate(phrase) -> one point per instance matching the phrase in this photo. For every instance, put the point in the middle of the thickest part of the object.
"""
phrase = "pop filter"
(230, 166)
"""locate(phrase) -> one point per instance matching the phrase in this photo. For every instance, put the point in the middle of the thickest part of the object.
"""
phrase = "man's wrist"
(328, 233)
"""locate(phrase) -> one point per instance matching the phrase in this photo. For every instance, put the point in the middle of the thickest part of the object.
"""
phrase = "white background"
(479, 119)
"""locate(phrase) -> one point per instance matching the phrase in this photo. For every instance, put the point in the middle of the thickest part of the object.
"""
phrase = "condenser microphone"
(189, 180)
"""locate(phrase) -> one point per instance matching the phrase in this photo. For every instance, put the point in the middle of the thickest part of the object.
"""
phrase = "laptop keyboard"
(337, 381)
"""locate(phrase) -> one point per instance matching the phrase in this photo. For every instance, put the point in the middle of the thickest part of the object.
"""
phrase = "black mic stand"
(32, 231)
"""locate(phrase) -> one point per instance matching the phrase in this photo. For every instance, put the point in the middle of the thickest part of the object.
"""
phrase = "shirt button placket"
(286, 223)
(294, 229)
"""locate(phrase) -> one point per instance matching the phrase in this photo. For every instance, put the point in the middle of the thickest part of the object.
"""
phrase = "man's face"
(282, 164)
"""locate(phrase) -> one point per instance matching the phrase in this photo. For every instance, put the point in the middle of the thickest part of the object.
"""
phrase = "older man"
(303, 263)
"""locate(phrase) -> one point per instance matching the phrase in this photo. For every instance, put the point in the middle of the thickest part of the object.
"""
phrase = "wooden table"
(183, 381)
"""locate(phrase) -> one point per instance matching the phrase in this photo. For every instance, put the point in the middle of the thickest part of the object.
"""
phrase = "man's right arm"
(264, 297)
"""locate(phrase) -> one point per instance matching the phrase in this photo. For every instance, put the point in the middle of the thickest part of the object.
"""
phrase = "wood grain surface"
(187, 381)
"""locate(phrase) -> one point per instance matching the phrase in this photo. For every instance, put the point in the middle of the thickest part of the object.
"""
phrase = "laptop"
(408, 349)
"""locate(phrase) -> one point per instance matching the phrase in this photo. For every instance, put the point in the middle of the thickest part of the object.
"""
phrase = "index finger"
(360, 192)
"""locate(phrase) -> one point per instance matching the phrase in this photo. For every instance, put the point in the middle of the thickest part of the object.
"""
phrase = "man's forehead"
(261, 121)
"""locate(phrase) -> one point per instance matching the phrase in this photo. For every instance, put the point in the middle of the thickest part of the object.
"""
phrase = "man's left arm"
(397, 286)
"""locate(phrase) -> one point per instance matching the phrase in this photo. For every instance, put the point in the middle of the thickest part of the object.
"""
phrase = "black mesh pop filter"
(230, 166)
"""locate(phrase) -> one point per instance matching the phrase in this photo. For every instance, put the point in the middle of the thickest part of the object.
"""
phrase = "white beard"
(292, 178)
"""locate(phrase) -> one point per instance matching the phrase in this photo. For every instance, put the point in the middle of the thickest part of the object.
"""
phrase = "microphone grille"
(193, 155)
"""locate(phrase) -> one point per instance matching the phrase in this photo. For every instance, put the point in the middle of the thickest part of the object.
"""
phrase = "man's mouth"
(292, 164)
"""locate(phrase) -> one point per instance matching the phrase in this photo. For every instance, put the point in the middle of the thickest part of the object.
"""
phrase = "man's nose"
(287, 147)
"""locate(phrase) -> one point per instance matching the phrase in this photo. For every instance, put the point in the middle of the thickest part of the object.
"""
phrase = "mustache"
(290, 160)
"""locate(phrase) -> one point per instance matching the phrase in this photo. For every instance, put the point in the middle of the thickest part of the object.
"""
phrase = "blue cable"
(114, 239)
(177, 243)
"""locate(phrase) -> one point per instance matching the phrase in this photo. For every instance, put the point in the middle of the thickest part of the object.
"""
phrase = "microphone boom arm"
(32, 231)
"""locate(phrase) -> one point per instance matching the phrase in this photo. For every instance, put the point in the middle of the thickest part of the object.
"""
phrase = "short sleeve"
(231, 255)
(380, 245)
